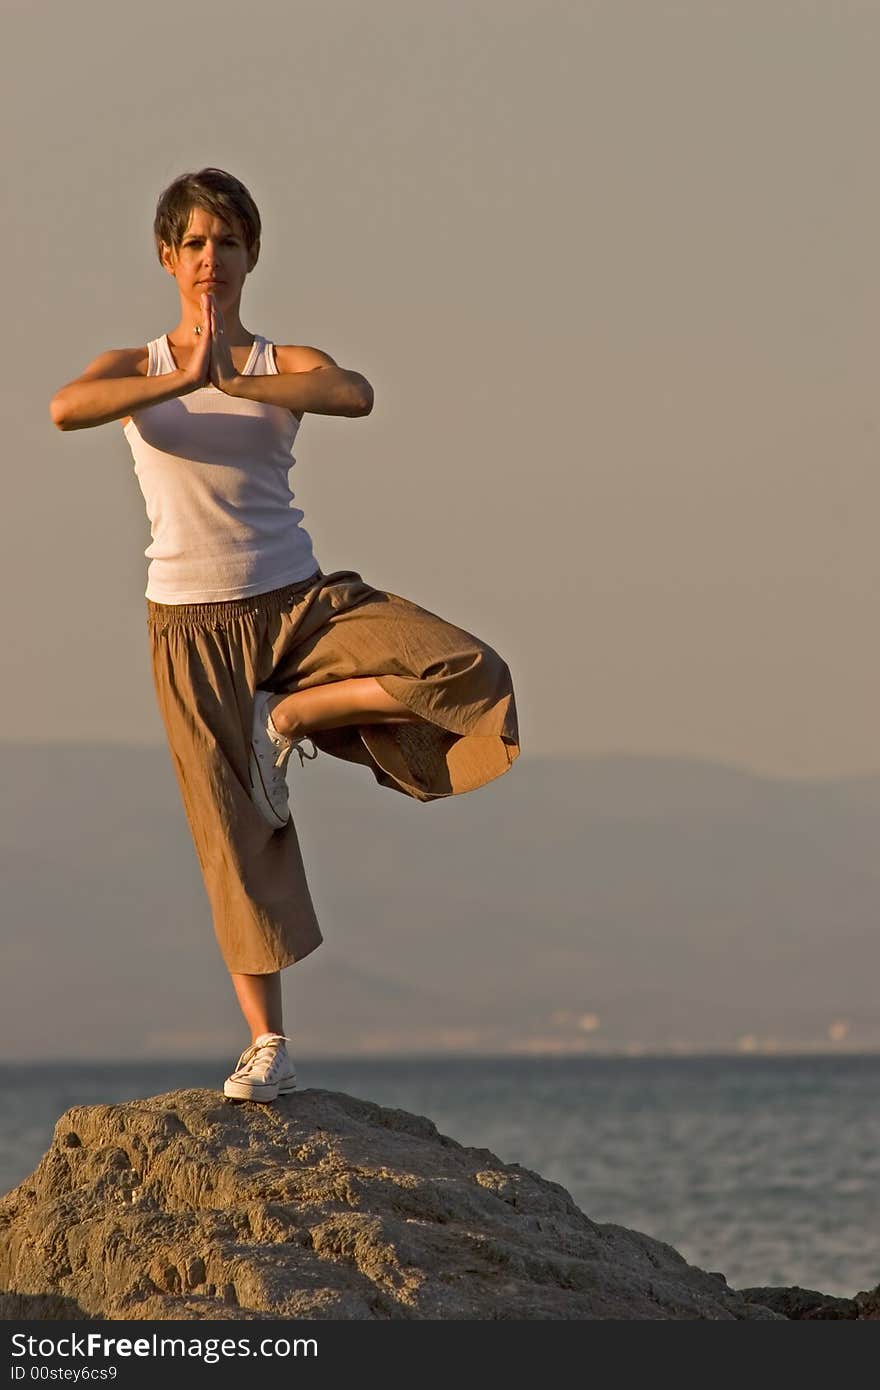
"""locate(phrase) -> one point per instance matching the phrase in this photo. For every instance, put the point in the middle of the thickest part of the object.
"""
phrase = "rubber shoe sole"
(259, 1090)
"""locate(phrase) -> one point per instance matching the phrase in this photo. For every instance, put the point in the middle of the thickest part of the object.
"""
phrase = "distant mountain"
(610, 903)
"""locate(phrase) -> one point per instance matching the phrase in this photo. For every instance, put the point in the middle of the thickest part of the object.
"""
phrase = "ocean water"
(765, 1168)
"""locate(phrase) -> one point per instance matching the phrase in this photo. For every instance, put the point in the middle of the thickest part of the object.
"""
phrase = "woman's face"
(212, 259)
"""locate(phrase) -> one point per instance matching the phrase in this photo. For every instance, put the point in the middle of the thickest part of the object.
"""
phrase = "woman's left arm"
(307, 380)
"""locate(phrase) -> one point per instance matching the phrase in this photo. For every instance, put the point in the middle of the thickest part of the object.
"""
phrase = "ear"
(168, 257)
(254, 257)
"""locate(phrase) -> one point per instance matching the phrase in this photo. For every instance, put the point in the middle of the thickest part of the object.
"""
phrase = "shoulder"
(289, 358)
(292, 358)
(132, 361)
(118, 362)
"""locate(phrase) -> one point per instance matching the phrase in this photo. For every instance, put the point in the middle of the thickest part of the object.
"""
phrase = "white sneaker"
(264, 1070)
(268, 762)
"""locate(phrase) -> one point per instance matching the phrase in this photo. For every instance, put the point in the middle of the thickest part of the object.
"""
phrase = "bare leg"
(360, 700)
(260, 1000)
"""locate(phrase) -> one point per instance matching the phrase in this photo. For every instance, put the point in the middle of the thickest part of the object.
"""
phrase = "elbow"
(56, 410)
(363, 398)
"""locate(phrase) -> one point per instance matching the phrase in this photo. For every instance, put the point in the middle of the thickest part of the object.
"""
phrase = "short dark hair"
(215, 191)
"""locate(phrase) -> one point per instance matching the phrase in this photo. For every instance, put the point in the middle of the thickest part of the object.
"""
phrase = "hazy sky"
(612, 271)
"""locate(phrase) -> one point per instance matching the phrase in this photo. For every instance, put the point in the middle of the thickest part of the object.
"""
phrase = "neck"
(190, 315)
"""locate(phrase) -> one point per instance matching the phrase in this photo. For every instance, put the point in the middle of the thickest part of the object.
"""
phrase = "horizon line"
(668, 1054)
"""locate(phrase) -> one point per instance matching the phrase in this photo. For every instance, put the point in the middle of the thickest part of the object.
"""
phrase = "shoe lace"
(251, 1054)
(285, 752)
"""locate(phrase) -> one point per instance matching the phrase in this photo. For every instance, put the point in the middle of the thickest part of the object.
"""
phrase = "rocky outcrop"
(319, 1206)
(803, 1305)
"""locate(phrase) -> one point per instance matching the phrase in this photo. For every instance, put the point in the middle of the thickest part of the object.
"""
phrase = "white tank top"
(213, 470)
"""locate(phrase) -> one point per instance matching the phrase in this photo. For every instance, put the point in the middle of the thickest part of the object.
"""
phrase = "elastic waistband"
(162, 615)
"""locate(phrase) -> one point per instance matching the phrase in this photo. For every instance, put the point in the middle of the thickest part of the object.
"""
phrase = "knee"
(493, 671)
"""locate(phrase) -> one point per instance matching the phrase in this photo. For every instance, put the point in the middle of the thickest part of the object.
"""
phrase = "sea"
(763, 1167)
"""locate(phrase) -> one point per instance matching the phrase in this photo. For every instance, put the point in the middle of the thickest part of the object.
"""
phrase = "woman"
(254, 649)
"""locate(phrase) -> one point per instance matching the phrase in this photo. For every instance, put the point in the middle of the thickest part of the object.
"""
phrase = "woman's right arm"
(114, 385)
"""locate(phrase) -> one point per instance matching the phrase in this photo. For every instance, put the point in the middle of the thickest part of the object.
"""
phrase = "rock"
(318, 1206)
(802, 1304)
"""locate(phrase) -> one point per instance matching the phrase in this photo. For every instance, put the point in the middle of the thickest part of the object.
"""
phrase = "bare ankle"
(282, 721)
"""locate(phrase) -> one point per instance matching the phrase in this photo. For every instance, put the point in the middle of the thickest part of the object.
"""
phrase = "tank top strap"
(263, 362)
(160, 359)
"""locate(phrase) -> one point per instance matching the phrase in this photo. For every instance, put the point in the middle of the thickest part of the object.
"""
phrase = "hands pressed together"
(211, 361)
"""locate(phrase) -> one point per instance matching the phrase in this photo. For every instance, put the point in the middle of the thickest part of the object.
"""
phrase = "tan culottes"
(207, 661)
